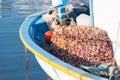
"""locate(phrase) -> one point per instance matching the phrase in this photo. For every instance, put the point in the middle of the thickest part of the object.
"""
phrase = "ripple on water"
(12, 56)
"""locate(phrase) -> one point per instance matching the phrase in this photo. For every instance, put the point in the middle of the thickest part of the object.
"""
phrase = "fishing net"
(82, 45)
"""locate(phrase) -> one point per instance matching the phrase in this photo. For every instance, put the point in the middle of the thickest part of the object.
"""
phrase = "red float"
(47, 36)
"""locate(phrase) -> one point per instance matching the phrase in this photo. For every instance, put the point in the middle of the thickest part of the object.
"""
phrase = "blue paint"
(64, 2)
(91, 12)
(61, 12)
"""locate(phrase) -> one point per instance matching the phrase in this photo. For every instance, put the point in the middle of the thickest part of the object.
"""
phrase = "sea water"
(12, 54)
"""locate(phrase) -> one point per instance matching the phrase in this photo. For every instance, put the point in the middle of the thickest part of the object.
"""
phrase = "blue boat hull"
(32, 35)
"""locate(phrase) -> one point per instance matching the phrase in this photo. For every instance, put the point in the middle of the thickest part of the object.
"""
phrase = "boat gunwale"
(45, 56)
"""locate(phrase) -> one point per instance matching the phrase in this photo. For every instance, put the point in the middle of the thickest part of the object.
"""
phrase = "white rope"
(56, 73)
(116, 44)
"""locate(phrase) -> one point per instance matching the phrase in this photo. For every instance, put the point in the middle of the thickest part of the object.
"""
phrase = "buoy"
(47, 36)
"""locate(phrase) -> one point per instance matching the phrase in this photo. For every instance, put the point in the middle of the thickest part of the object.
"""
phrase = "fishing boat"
(32, 36)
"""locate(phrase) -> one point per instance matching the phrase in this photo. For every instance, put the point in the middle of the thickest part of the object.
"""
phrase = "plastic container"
(83, 19)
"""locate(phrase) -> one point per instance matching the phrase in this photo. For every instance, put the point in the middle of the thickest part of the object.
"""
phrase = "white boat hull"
(53, 72)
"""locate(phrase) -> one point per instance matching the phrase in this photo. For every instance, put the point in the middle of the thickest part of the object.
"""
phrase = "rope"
(27, 62)
(116, 44)
(56, 73)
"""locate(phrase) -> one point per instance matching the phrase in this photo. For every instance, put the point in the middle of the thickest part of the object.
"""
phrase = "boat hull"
(31, 33)
(53, 72)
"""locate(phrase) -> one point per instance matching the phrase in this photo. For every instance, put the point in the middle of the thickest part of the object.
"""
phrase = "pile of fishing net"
(82, 45)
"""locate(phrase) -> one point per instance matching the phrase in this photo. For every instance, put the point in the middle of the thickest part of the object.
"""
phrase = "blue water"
(12, 55)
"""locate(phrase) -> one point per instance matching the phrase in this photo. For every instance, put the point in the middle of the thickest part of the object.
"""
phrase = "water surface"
(12, 55)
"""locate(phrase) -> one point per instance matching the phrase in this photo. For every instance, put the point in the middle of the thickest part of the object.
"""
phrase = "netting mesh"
(82, 45)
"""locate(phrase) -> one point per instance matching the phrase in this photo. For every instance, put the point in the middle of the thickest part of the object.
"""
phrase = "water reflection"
(31, 4)
(12, 14)
(22, 6)
(5, 5)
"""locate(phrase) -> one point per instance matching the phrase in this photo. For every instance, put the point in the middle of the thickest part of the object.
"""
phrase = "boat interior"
(47, 21)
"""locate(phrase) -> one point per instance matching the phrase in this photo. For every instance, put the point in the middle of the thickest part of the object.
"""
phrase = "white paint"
(59, 2)
(54, 72)
(83, 19)
(107, 16)
(117, 56)
(55, 2)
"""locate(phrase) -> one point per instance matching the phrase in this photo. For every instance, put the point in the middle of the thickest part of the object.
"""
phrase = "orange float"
(47, 36)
